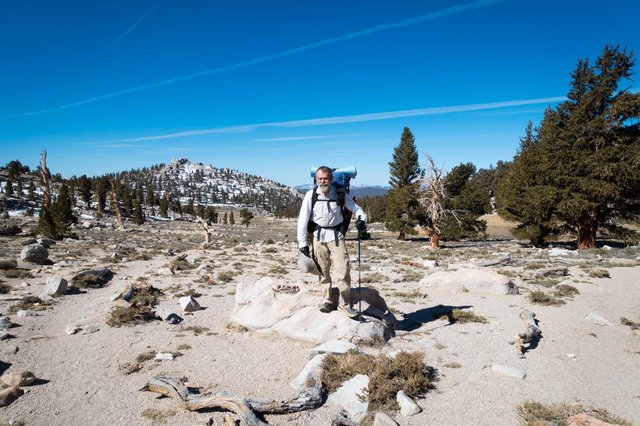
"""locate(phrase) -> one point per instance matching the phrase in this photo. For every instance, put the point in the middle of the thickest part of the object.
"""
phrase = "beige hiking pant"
(334, 261)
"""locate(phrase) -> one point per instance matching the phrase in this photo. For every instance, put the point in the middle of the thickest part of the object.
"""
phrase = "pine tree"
(138, 216)
(224, 218)
(246, 216)
(232, 220)
(19, 189)
(84, 189)
(101, 186)
(8, 189)
(32, 191)
(403, 208)
(164, 205)
(212, 215)
(582, 174)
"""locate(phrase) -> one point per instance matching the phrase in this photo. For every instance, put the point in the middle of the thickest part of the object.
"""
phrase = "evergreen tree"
(32, 191)
(84, 189)
(164, 205)
(212, 215)
(224, 218)
(403, 208)
(246, 216)
(138, 216)
(8, 188)
(582, 174)
(19, 190)
(232, 220)
(101, 186)
(54, 222)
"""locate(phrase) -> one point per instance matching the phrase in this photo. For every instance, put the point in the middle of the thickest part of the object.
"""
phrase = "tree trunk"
(587, 228)
(435, 240)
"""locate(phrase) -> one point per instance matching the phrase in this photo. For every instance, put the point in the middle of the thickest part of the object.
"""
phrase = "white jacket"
(325, 213)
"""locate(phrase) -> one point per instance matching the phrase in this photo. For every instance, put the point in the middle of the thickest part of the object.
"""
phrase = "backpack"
(341, 180)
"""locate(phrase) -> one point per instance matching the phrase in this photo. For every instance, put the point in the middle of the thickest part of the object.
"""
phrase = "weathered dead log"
(245, 408)
(505, 259)
(531, 335)
(8, 395)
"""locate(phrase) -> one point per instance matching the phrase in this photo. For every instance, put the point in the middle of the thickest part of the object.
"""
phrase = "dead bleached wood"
(309, 398)
(531, 335)
(206, 231)
(505, 259)
(114, 203)
(46, 187)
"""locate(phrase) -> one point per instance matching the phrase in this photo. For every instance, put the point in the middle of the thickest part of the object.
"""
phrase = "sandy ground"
(83, 378)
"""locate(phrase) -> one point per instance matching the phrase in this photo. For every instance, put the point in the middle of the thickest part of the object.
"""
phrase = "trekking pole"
(359, 272)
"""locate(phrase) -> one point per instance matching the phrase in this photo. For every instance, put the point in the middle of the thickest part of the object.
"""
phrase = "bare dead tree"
(432, 196)
(114, 203)
(44, 177)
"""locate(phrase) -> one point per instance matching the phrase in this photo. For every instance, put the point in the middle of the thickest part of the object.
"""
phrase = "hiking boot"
(327, 307)
(348, 311)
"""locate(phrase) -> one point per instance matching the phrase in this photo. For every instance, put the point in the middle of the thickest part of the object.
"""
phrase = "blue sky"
(273, 88)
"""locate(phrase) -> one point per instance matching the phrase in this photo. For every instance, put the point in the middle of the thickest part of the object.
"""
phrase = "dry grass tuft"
(565, 290)
(599, 273)
(387, 376)
(375, 277)
(140, 309)
(541, 298)
(634, 325)
(458, 315)
(158, 416)
(32, 303)
(195, 329)
(533, 413)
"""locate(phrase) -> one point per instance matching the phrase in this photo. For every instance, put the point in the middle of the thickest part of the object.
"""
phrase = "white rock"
(407, 406)
(189, 304)
(561, 252)
(516, 373)
(311, 371)
(166, 271)
(258, 305)
(430, 264)
(349, 397)
(334, 346)
(56, 286)
(163, 356)
(597, 318)
(73, 329)
(470, 280)
(383, 419)
(45, 297)
(26, 313)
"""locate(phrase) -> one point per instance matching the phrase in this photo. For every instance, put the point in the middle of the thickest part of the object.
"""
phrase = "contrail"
(345, 119)
(133, 27)
(333, 40)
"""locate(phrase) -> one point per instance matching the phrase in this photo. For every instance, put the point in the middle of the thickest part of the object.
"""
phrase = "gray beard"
(324, 187)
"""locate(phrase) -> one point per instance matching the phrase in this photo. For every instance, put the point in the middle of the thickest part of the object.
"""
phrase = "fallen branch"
(531, 335)
(246, 408)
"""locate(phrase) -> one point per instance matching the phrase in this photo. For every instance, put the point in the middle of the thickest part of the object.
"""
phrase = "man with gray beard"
(321, 215)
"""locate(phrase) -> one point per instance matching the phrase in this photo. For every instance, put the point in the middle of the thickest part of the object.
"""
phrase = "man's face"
(323, 179)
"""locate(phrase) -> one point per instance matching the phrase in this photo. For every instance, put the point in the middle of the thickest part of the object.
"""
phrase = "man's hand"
(360, 225)
(305, 250)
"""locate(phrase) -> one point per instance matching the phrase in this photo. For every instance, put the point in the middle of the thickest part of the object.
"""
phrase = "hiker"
(322, 215)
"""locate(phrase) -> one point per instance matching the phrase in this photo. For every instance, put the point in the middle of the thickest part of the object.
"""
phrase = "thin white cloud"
(129, 30)
(345, 119)
(332, 40)
(299, 138)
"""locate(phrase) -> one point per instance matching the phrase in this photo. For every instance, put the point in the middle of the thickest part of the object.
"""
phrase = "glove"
(360, 225)
(305, 250)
